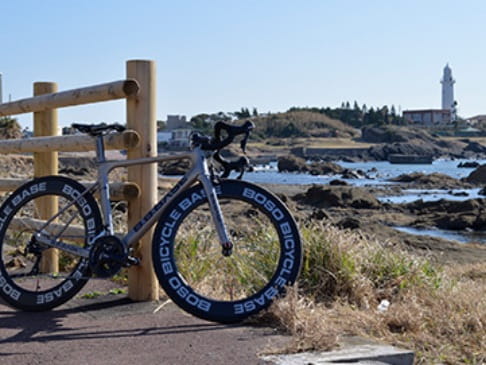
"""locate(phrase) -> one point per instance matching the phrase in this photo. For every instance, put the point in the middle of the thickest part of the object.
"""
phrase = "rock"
(352, 174)
(325, 168)
(456, 222)
(475, 147)
(433, 180)
(459, 193)
(321, 196)
(337, 182)
(349, 223)
(174, 167)
(469, 164)
(478, 176)
(297, 164)
(319, 214)
(482, 191)
(291, 164)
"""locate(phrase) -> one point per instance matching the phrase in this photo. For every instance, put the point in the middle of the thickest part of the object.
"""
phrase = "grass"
(95, 294)
(439, 312)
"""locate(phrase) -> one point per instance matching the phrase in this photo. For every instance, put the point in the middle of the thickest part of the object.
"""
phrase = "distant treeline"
(305, 121)
(357, 116)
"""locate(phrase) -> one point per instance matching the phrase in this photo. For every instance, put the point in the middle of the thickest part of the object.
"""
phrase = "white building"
(176, 134)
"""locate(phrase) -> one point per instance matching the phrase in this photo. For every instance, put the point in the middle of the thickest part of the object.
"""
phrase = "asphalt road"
(110, 329)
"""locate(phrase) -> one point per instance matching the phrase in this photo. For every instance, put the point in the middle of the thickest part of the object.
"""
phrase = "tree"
(244, 113)
(9, 128)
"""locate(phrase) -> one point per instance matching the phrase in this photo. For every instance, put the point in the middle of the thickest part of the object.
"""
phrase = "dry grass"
(440, 313)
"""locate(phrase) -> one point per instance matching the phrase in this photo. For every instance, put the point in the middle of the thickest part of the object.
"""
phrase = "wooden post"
(142, 281)
(46, 163)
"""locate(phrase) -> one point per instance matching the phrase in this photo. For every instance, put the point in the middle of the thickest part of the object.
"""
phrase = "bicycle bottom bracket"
(107, 256)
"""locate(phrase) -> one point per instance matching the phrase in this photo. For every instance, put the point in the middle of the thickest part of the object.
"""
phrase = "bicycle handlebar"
(216, 144)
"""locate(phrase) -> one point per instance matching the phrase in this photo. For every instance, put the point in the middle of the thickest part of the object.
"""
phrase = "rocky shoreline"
(353, 208)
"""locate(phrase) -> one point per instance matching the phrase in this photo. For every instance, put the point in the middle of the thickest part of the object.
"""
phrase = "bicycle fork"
(215, 208)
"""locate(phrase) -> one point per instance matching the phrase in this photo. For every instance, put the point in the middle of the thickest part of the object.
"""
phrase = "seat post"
(100, 149)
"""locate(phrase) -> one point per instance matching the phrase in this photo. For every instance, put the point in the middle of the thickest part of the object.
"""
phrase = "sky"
(222, 55)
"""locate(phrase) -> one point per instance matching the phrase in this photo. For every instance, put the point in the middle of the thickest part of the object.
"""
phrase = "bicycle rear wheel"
(34, 277)
(188, 258)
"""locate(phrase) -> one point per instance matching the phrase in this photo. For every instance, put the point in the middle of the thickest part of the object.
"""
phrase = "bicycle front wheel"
(33, 276)
(189, 263)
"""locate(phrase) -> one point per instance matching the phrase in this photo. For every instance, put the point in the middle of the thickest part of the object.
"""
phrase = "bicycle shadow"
(50, 326)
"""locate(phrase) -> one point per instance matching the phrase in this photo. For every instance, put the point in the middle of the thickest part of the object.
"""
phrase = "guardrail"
(140, 140)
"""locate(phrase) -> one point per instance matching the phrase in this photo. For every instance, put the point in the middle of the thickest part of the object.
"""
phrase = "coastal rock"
(451, 215)
(469, 164)
(321, 196)
(297, 164)
(174, 167)
(291, 164)
(408, 141)
(475, 147)
(478, 176)
(436, 180)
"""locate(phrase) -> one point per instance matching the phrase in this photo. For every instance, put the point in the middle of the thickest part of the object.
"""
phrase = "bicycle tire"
(20, 218)
(190, 266)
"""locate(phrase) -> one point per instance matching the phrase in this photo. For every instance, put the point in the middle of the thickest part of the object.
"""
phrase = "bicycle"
(223, 249)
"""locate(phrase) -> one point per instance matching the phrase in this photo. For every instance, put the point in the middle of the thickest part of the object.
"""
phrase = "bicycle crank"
(107, 256)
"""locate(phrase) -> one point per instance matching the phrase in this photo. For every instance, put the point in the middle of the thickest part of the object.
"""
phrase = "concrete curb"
(350, 353)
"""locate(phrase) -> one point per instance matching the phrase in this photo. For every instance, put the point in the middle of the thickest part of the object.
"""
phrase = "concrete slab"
(352, 352)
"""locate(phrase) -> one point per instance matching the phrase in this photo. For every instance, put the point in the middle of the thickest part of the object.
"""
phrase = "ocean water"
(379, 173)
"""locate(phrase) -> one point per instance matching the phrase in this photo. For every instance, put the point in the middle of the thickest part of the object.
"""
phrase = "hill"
(301, 124)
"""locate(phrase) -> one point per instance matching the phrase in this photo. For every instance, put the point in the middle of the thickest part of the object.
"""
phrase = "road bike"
(222, 249)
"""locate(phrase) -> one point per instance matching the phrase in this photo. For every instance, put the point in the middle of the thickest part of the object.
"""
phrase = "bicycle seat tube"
(103, 185)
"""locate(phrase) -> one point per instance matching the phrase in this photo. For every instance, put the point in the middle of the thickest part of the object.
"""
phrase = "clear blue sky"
(270, 54)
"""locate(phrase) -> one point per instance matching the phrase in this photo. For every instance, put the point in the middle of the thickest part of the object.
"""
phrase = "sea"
(379, 173)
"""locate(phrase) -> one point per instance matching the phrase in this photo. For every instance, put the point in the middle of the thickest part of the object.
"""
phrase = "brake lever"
(228, 166)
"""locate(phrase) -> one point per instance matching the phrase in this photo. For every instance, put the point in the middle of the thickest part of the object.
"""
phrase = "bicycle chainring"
(107, 256)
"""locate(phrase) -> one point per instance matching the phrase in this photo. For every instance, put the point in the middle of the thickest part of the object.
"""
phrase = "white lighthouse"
(447, 82)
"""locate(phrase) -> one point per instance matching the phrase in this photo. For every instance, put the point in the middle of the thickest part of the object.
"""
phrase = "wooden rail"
(91, 94)
(73, 143)
(141, 189)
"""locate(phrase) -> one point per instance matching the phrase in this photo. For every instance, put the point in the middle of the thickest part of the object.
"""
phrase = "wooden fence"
(140, 140)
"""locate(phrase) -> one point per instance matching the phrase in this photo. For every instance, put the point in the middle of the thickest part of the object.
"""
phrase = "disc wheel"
(33, 276)
(190, 265)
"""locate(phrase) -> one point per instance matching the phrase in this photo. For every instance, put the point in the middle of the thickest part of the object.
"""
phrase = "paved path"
(112, 330)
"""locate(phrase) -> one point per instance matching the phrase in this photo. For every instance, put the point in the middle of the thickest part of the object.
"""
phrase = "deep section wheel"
(266, 255)
(33, 276)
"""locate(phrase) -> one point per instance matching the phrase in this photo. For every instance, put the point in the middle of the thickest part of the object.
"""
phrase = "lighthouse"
(447, 82)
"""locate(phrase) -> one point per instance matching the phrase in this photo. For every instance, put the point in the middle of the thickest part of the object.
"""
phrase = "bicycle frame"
(199, 172)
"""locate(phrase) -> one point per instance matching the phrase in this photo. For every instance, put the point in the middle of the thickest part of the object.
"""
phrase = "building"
(176, 134)
(177, 122)
(428, 117)
(478, 120)
(437, 117)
